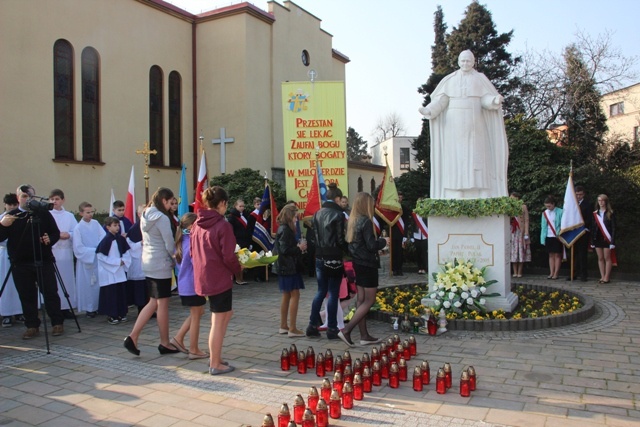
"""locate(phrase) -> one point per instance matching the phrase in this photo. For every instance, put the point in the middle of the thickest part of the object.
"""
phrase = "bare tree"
(388, 127)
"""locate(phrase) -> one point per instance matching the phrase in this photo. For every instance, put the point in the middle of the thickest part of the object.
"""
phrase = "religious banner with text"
(314, 118)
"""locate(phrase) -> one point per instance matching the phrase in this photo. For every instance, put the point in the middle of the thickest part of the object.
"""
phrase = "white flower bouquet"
(460, 287)
(251, 259)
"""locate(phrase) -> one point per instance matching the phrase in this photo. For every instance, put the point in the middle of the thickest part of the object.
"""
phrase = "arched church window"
(175, 119)
(360, 184)
(373, 185)
(63, 117)
(90, 105)
(156, 123)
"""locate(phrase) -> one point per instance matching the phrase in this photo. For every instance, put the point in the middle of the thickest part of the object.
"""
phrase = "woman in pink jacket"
(214, 265)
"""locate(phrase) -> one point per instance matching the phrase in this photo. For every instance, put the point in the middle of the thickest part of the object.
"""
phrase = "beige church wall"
(129, 38)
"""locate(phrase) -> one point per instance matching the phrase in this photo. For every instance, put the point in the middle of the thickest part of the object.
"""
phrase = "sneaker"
(312, 332)
(91, 314)
(123, 319)
(112, 321)
(31, 333)
(57, 330)
(7, 322)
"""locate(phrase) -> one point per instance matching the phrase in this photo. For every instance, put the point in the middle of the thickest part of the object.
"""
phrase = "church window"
(373, 185)
(306, 59)
(360, 184)
(90, 105)
(156, 124)
(175, 119)
(63, 120)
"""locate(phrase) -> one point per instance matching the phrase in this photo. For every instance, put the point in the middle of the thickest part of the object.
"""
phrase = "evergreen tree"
(582, 112)
(356, 146)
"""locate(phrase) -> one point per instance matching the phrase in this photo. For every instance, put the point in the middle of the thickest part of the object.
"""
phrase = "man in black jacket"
(329, 229)
(26, 248)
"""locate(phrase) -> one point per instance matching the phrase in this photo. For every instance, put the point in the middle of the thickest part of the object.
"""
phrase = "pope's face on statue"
(466, 61)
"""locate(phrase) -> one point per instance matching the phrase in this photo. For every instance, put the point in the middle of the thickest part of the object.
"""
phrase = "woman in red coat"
(214, 265)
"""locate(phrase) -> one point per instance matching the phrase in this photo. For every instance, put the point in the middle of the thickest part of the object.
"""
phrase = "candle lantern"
(366, 360)
(384, 367)
(383, 350)
(396, 339)
(416, 327)
(376, 376)
(366, 380)
(293, 355)
(312, 400)
(447, 374)
(399, 352)
(394, 381)
(322, 414)
(413, 346)
(325, 389)
(442, 322)
(432, 324)
(417, 379)
(298, 409)
(284, 416)
(335, 405)
(346, 358)
(302, 363)
(472, 378)
(375, 355)
(328, 360)
(267, 421)
(357, 366)
(338, 365)
(347, 396)
(441, 386)
(292, 423)
(393, 356)
(347, 374)
(338, 383)
(284, 360)
(308, 420)
(358, 387)
(311, 358)
(320, 365)
(426, 372)
(465, 390)
(406, 350)
(402, 370)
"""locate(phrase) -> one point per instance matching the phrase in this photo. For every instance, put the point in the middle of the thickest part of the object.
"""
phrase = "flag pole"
(266, 267)
(390, 226)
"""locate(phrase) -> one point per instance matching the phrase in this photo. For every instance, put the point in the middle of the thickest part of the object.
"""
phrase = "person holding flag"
(603, 237)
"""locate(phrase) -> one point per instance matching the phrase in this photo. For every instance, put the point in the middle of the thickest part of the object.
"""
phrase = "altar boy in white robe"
(113, 261)
(86, 237)
(63, 251)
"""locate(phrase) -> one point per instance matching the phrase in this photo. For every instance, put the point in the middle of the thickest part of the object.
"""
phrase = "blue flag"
(183, 198)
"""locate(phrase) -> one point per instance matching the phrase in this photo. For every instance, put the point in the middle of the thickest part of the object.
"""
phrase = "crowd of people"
(120, 264)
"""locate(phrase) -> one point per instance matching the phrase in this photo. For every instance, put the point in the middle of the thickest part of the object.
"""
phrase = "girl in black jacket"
(289, 270)
(363, 248)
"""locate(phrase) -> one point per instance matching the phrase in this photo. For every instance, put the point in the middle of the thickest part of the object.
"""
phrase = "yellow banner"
(314, 119)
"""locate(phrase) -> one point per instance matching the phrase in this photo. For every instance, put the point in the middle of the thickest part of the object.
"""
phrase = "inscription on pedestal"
(470, 247)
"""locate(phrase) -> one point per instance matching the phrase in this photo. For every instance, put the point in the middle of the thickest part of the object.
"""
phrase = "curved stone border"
(587, 310)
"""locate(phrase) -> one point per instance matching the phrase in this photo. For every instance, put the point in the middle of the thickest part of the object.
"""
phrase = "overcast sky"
(389, 42)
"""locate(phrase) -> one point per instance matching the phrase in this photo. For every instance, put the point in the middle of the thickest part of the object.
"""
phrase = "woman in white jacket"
(157, 265)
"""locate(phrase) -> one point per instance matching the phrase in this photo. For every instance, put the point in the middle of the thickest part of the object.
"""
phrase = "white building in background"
(622, 108)
(400, 155)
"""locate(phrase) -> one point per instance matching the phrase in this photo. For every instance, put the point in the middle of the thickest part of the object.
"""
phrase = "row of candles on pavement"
(351, 381)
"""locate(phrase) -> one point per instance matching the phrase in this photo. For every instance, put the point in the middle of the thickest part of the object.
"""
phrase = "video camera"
(39, 204)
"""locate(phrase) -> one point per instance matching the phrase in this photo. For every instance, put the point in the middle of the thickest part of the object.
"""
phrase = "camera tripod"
(38, 264)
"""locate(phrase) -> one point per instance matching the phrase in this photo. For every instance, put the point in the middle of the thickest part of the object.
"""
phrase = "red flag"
(203, 183)
(388, 204)
(130, 204)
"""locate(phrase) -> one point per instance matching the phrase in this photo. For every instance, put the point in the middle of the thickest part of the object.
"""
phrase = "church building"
(85, 83)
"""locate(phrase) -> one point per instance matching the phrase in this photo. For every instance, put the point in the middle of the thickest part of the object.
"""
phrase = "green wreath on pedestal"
(471, 208)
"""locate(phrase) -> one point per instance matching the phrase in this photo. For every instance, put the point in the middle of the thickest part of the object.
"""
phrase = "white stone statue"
(469, 151)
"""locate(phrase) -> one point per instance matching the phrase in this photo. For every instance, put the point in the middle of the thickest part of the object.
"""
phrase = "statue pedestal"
(485, 241)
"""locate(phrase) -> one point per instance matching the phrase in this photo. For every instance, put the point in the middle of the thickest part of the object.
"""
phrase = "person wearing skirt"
(520, 242)
(289, 268)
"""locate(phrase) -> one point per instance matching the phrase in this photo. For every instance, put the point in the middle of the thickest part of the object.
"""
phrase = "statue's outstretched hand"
(426, 112)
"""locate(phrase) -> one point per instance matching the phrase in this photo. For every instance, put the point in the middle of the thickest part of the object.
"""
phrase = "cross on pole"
(146, 152)
(223, 140)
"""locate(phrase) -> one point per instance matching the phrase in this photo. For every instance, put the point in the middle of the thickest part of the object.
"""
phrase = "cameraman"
(16, 226)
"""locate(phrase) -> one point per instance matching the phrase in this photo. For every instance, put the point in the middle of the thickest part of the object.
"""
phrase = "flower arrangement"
(460, 287)
(472, 208)
(401, 300)
(250, 259)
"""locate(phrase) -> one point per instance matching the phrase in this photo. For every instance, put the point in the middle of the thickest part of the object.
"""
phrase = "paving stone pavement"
(579, 375)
